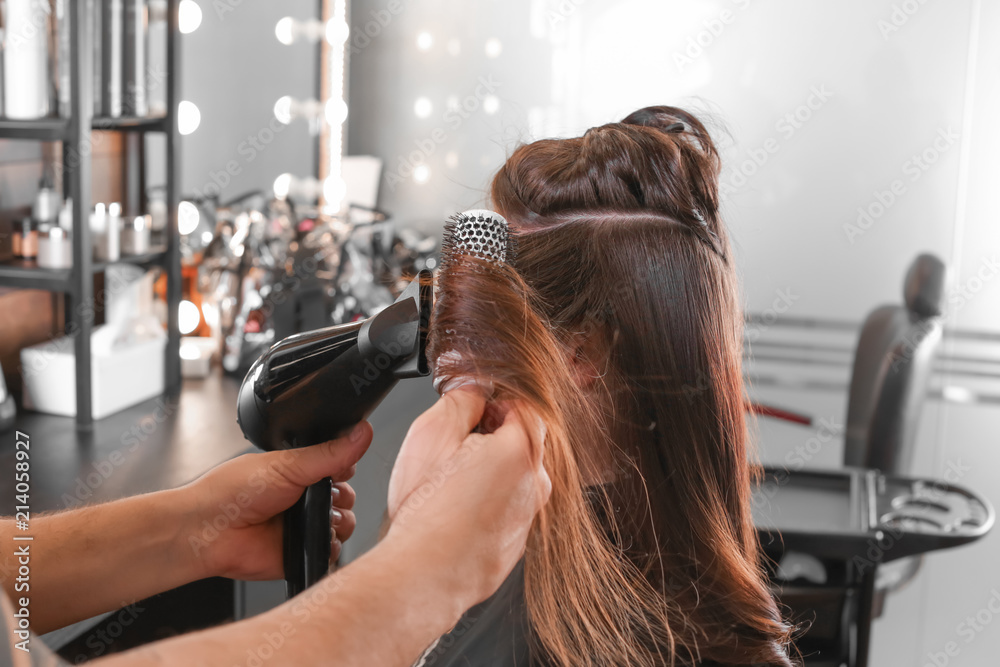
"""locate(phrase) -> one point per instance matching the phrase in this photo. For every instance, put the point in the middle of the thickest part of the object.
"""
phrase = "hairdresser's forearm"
(382, 609)
(94, 559)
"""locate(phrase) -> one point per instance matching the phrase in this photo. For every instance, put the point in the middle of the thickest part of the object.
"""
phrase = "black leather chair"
(892, 368)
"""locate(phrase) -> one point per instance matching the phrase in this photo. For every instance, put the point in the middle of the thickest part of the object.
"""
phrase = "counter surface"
(158, 444)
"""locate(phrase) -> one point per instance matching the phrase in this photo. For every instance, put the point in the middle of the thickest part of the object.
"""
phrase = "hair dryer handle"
(307, 537)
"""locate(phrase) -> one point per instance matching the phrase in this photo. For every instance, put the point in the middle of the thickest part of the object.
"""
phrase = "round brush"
(478, 234)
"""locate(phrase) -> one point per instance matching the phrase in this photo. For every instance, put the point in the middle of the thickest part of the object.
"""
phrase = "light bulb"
(188, 218)
(281, 186)
(336, 111)
(421, 174)
(493, 47)
(337, 32)
(188, 16)
(188, 117)
(423, 107)
(283, 110)
(284, 30)
(188, 317)
(334, 191)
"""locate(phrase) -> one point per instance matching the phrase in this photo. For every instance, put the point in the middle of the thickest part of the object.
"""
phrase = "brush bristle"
(479, 234)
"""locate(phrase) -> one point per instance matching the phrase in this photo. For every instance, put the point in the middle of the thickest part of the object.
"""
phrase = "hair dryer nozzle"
(310, 387)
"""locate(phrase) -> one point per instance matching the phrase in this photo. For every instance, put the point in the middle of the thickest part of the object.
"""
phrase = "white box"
(119, 379)
(196, 356)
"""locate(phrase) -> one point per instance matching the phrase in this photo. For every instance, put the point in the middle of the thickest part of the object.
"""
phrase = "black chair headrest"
(923, 288)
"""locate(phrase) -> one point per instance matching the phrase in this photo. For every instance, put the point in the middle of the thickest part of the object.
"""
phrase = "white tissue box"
(121, 378)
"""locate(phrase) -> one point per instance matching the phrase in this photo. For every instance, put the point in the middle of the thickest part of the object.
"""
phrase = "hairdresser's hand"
(466, 500)
(234, 523)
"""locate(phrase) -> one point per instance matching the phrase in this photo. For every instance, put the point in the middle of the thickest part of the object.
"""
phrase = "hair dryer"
(311, 387)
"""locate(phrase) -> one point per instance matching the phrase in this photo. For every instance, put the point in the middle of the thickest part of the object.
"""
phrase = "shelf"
(77, 282)
(153, 258)
(57, 129)
(43, 129)
(129, 124)
(26, 273)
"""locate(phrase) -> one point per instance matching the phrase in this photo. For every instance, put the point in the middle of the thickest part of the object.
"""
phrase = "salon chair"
(892, 368)
(824, 569)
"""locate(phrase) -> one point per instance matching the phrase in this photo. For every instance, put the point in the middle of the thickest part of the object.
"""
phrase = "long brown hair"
(619, 321)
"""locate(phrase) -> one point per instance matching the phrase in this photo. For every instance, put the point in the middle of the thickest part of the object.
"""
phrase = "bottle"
(66, 215)
(96, 13)
(62, 58)
(135, 239)
(26, 60)
(16, 239)
(156, 57)
(54, 249)
(134, 100)
(46, 207)
(113, 18)
(26, 240)
(99, 230)
(114, 233)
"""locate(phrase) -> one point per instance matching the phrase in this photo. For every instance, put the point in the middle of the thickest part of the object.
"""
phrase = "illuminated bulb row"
(332, 190)
(422, 173)
(423, 107)
(289, 30)
(188, 20)
(288, 109)
(334, 187)
(287, 186)
(425, 42)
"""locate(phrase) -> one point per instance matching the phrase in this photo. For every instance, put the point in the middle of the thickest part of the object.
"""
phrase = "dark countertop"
(158, 444)
(164, 443)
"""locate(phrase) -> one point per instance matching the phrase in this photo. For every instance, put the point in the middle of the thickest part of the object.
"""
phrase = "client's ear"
(586, 358)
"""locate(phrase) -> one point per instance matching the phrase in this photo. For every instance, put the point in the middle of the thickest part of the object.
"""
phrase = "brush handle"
(307, 536)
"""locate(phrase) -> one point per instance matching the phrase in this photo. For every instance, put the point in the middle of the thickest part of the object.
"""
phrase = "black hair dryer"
(311, 387)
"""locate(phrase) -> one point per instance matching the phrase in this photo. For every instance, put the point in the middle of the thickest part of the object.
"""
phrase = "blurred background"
(266, 168)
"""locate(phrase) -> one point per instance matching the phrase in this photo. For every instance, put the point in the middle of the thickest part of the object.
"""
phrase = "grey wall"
(234, 69)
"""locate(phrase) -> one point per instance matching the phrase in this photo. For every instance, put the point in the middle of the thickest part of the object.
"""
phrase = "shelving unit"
(74, 133)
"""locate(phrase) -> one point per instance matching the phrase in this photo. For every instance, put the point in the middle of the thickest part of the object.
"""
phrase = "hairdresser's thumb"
(335, 458)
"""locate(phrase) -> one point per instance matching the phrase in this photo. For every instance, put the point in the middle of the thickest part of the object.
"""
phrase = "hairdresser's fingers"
(521, 420)
(343, 496)
(440, 430)
(336, 458)
(450, 419)
(343, 523)
(336, 547)
(523, 434)
(433, 437)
